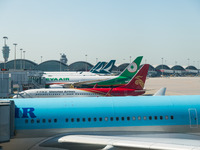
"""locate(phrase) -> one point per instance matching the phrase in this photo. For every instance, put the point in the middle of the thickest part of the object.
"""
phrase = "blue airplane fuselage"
(144, 113)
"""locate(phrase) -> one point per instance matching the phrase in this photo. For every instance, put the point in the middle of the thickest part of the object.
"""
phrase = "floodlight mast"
(15, 44)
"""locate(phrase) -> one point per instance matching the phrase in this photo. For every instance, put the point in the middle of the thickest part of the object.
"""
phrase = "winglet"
(109, 92)
(160, 92)
(95, 86)
(138, 81)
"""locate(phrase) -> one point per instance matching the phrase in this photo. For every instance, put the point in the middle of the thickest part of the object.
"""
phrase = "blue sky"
(103, 30)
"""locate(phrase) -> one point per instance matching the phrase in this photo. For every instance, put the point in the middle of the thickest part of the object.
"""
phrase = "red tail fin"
(138, 81)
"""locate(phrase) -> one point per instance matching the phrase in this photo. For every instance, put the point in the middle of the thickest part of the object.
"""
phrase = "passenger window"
(150, 118)
(155, 117)
(128, 118)
(172, 117)
(122, 118)
(111, 118)
(43, 120)
(133, 118)
(49, 120)
(55, 120)
(77, 119)
(145, 118)
(166, 117)
(89, 119)
(106, 118)
(139, 118)
(66, 120)
(117, 118)
(38, 120)
(100, 119)
(32, 120)
(83, 119)
(95, 119)
(72, 119)
(161, 117)
(26, 120)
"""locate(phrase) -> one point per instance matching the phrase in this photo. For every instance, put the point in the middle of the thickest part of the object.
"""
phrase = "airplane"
(99, 68)
(107, 123)
(133, 88)
(122, 79)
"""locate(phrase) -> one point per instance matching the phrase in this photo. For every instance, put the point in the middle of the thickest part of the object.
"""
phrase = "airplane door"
(193, 118)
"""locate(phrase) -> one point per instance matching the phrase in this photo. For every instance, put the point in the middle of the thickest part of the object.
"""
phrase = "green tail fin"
(132, 68)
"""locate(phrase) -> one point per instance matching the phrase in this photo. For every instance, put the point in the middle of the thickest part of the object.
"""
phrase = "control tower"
(5, 50)
(63, 58)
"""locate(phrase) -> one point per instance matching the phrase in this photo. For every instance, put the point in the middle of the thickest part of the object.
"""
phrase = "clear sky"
(103, 30)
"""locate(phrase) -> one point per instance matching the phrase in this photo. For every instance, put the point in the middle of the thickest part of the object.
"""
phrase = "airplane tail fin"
(138, 81)
(99, 67)
(95, 66)
(108, 67)
(132, 68)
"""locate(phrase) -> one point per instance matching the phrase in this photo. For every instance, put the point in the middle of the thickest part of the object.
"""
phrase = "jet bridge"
(7, 116)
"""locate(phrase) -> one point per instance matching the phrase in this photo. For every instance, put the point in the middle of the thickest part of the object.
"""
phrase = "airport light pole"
(15, 44)
(60, 62)
(24, 60)
(86, 62)
(188, 61)
(130, 59)
(162, 67)
(21, 57)
(96, 60)
(41, 59)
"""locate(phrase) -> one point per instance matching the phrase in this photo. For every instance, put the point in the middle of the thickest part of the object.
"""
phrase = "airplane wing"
(163, 141)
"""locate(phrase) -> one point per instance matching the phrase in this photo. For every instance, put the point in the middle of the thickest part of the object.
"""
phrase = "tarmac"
(174, 85)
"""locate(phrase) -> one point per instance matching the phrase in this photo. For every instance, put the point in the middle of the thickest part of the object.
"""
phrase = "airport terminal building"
(55, 65)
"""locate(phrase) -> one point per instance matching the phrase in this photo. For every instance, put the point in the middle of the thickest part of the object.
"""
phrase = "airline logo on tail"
(132, 68)
(109, 66)
(139, 81)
